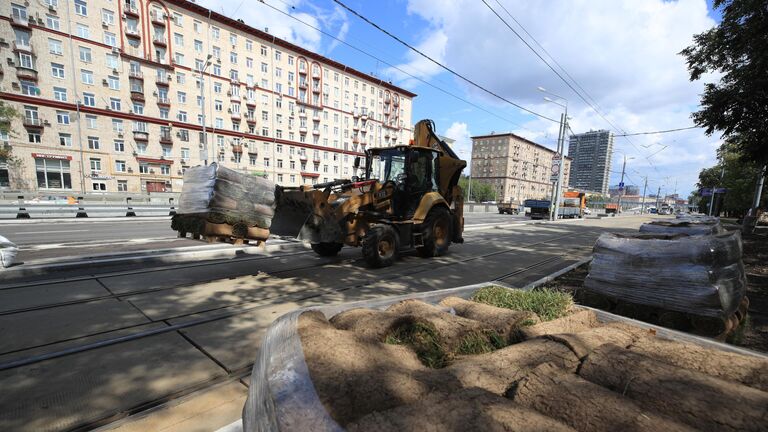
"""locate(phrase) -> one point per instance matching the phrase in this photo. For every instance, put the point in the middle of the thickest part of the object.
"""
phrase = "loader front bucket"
(293, 208)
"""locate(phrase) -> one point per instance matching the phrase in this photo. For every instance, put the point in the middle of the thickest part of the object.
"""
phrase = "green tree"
(736, 106)
(7, 113)
(738, 177)
(480, 191)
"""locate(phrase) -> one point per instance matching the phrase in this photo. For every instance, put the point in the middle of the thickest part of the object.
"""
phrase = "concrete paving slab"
(47, 294)
(203, 411)
(76, 390)
(28, 329)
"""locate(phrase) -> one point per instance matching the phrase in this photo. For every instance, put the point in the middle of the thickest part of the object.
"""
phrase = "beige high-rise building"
(115, 96)
(517, 168)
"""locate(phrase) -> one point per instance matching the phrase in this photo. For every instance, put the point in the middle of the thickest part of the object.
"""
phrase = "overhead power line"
(658, 132)
(582, 97)
(360, 50)
(464, 78)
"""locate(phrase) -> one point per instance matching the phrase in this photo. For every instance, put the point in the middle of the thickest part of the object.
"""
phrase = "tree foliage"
(7, 113)
(736, 106)
(481, 192)
(739, 178)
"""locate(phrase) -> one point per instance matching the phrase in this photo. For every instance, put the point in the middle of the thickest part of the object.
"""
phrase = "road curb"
(81, 220)
(157, 256)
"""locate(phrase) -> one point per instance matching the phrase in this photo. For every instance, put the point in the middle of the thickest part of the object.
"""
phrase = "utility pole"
(759, 189)
(561, 152)
(621, 183)
(645, 186)
(658, 195)
(714, 194)
(553, 193)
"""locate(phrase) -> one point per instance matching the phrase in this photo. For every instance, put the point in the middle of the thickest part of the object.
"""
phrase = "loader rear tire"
(380, 246)
(436, 233)
(327, 249)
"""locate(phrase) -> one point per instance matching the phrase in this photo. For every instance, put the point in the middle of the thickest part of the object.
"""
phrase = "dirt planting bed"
(536, 363)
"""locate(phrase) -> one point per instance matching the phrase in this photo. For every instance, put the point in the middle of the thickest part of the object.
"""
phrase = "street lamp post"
(621, 185)
(557, 189)
(202, 101)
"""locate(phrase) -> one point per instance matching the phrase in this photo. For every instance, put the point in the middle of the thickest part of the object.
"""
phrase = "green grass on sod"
(547, 304)
(424, 340)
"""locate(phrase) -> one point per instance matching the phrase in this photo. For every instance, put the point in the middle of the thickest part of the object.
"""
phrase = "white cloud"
(463, 146)
(260, 16)
(624, 53)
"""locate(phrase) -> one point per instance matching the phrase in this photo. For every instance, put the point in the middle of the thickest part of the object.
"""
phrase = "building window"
(34, 137)
(107, 17)
(90, 121)
(165, 169)
(65, 140)
(62, 117)
(57, 70)
(86, 76)
(122, 185)
(83, 31)
(60, 94)
(119, 146)
(95, 164)
(53, 174)
(89, 99)
(85, 55)
(141, 149)
(111, 60)
(93, 143)
(182, 116)
(81, 7)
(52, 22)
(117, 126)
(29, 88)
(143, 168)
(113, 82)
(120, 165)
(54, 46)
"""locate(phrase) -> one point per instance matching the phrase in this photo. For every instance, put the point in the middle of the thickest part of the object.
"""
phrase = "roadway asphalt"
(54, 378)
(41, 240)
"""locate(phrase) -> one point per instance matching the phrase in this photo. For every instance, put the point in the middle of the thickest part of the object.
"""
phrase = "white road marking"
(50, 232)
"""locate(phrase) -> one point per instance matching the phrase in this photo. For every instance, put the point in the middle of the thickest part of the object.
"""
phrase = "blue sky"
(622, 53)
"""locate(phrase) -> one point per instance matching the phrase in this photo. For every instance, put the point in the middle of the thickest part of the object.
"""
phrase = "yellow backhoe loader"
(407, 197)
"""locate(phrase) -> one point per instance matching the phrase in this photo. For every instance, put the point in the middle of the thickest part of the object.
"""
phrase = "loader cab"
(413, 171)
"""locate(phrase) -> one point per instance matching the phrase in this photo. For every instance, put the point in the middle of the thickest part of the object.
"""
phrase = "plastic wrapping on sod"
(520, 360)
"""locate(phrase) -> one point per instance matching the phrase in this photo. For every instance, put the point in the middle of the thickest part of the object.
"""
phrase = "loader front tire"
(327, 249)
(380, 246)
(436, 233)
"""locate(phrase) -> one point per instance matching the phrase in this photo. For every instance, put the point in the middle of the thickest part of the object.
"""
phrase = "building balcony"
(136, 74)
(355, 127)
(166, 138)
(355, 140)
(355, 113)
(386, 134)
(234, 98)
(235, 81)
(157, 18)
(131, 10)
(396, 100)
(19, 21)
(316, 160)
(387, 98)
(137, 95)
(235, 115)
(303, 130)
(363, 130)
(250, 119)
(33, 122)
(316, 73)
(303, 85)
(302, 157)
(309, 174)
(163, 101)
(140, 135)
(26, 73)
(302, 68)
(250, 102)
(315, 89)
(237, 148)
(133, 33)
(315, 131)
(160, 41)
(23, 46)
(163, 80)
(303, 114)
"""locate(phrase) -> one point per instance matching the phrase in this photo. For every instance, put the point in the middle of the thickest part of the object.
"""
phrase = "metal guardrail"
(22, 209)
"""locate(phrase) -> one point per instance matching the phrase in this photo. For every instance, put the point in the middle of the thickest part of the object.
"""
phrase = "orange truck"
(611, 208)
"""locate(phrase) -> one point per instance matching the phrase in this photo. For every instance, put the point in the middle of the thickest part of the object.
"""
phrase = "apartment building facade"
(124, 95)
(517, 168)
(591, 153)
